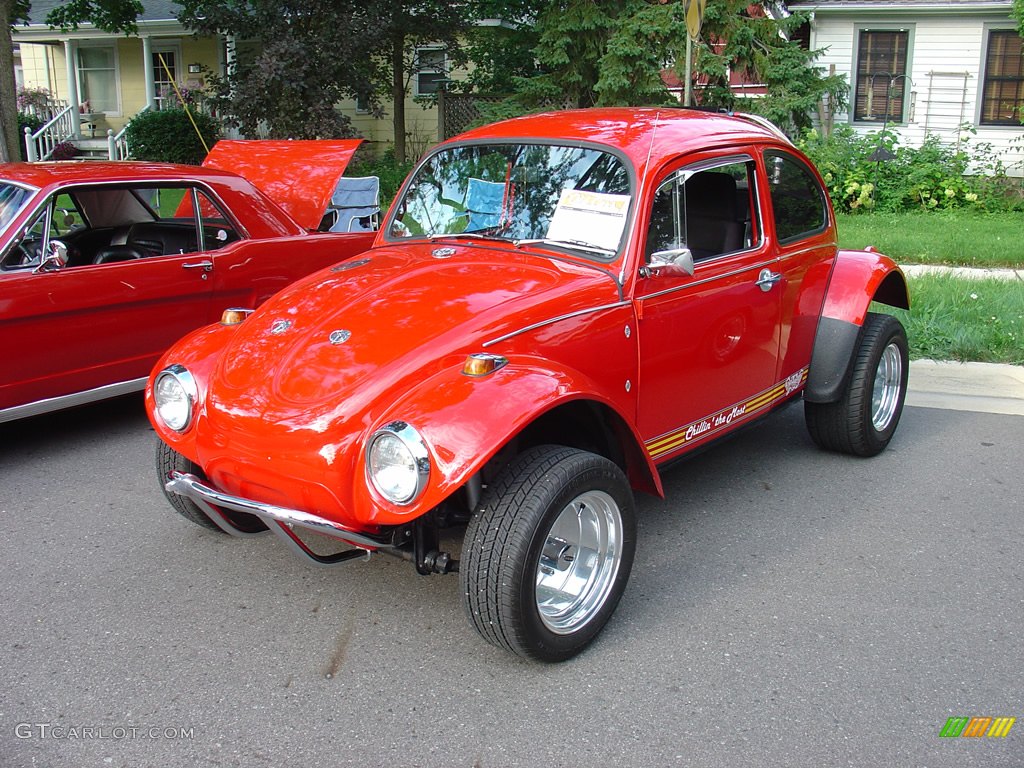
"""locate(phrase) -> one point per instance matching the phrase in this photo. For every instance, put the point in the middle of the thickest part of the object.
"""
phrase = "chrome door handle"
(206, 266)
(766, 279)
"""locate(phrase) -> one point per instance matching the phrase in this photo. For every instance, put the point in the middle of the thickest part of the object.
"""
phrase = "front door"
(708, 342)
(91, 325)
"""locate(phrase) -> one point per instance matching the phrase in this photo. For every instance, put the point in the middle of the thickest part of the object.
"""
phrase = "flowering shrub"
(872, 171)
(64, 151)
(35, 101)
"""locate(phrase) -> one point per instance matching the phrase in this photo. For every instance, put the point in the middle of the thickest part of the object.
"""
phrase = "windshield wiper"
(579, 244)
(466, 236)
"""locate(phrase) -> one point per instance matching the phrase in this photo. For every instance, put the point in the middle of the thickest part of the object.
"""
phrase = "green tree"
(309, 54)
(500, 45)
(740, 37)
(108, 15)
(613, 52)
(11, 12)
(402, 26)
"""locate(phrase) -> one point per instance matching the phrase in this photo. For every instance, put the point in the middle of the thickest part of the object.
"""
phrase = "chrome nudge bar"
(280, 520)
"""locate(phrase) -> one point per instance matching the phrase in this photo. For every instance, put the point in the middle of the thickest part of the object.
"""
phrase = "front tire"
(167, 461)
(548, 553)
(864, 419)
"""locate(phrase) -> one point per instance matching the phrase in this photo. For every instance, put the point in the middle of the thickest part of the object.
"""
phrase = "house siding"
(945, 64)
(45, 66)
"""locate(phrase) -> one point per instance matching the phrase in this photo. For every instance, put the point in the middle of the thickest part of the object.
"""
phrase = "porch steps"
(92, 149)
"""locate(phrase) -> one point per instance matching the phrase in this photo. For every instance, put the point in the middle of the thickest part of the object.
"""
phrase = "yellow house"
(107, 78)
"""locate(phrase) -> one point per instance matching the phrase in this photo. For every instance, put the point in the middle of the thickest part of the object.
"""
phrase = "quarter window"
(881, 64)
(798, 202)
(1002, 101)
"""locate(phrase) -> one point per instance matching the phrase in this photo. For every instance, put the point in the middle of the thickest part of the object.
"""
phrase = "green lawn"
(970, 320)
(954, 238)
(953, 318)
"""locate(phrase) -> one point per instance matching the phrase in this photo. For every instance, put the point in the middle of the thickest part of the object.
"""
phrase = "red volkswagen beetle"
(556, 307)
(104, 265)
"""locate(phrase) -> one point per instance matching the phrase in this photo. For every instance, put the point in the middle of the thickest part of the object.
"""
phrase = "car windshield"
(572, 197)
(12, 200)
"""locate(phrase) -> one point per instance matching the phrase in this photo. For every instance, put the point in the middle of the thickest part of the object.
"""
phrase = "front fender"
(465, 421)
(858, 278)
(198, 351)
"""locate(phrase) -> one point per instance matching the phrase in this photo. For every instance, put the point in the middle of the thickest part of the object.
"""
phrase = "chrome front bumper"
(280, 520)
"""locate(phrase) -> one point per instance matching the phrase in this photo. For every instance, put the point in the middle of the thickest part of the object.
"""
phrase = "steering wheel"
(30, 251)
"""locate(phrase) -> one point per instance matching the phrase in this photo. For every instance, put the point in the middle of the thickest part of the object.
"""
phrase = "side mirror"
(56, 257)
(672, 263)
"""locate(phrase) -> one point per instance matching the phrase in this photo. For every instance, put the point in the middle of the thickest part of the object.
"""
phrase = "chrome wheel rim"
(886, 391)
(579, 562)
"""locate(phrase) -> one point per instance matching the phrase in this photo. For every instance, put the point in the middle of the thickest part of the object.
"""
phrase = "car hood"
(340, 339)
(300, 176)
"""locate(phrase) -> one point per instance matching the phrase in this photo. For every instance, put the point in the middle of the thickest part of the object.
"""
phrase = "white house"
(925, 67)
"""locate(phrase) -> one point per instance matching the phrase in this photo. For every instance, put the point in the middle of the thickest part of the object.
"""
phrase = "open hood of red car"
(300, 176)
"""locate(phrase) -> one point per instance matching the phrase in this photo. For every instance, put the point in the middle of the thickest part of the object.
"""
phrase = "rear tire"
(548, 553)
(864, 419)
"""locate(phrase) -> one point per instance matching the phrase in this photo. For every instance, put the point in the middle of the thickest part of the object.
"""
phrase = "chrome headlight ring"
(398, 463)
(175, 395)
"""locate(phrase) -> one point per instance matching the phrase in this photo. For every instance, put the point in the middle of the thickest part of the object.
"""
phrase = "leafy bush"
(873, 172)
(26, 121)
(387, 168)
(168, 136)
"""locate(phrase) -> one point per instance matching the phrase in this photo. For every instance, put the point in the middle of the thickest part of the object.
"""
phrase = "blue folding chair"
(355, 204)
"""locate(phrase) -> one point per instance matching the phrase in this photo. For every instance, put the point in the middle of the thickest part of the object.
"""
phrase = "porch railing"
(117, 144)
(60, 128)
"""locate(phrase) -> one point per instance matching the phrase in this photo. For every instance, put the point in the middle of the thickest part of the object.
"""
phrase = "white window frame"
(166, 46)
(112, 45)
(907, 87)
(429, 70)
(983, 73)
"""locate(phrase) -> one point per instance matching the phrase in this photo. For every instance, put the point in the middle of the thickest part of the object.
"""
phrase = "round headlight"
(398, 463)
(174, 394)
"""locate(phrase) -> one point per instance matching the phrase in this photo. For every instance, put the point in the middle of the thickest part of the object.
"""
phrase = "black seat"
(712, 223)
(162, 238)
(114, 253)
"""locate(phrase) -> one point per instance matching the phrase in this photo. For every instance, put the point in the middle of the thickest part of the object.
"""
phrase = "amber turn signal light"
(482, 364)
(234, 316)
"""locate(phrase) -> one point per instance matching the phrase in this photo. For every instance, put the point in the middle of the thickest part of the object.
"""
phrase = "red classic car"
(555, 308)
(104, 265)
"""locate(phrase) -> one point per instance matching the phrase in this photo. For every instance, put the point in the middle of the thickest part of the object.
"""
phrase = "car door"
(802, 227)
(708, 342)
(95, 325)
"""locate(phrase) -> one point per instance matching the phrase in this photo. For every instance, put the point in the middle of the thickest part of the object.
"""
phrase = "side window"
(709, 210)
(798, 202)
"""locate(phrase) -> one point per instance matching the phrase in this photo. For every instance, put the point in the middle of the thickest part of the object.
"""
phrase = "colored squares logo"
(977, 727)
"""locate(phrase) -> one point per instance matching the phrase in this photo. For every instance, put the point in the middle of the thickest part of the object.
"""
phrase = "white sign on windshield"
(594, 218)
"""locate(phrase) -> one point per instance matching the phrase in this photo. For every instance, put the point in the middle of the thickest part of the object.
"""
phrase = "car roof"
(647, 135)
(46, 174)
